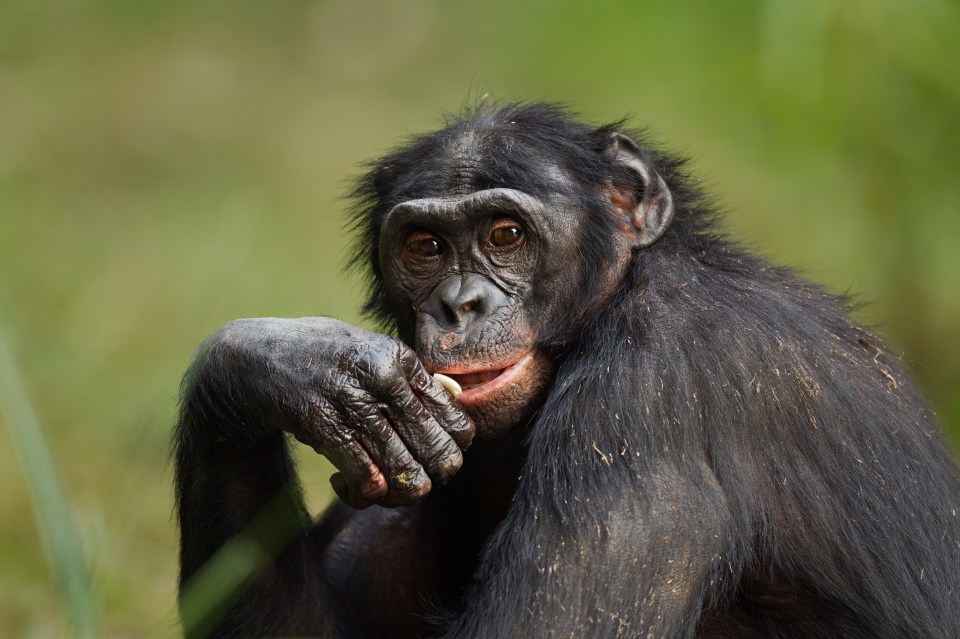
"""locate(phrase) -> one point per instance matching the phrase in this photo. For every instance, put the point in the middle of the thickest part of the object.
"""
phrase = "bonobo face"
(476, 278)
(483, 274)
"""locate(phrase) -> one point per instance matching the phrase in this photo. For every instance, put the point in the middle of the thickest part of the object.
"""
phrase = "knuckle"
(317, 423)
(425, 382)
(359, 406)
(408, 358)
(455, 419)
(439, 443)
(338, 385)
(378, 366)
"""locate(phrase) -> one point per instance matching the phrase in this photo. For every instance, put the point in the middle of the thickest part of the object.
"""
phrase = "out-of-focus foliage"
(168, 166)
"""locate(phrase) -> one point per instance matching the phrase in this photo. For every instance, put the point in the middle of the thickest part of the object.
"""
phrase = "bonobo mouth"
(480, 385)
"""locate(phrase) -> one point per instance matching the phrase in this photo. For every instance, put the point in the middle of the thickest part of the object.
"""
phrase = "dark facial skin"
(483, 273)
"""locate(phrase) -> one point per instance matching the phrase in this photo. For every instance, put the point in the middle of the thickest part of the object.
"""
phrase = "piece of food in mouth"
(448, 383)
(466, 381)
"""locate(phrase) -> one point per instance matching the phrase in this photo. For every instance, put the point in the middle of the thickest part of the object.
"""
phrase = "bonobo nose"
(463, 300)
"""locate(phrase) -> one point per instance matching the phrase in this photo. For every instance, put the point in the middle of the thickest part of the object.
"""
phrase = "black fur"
(724, 452)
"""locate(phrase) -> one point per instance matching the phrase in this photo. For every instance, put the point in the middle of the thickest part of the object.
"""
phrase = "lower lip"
(481, 393)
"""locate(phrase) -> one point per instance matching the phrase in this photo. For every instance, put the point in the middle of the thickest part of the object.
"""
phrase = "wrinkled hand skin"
(361, 399)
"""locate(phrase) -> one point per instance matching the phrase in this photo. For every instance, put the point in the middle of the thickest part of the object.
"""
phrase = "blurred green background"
(168, 166)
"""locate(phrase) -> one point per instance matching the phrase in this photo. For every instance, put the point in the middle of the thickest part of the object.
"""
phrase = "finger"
(423, 436)
(360, 482)
(430, 445)
(442, 406)
(407, 481)
(350, 497)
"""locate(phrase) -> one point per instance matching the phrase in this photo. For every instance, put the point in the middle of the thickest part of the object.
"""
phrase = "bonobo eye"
(505, 233)
(422, 246)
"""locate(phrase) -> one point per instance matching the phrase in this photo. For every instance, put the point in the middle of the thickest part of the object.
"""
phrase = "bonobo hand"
(361, 399)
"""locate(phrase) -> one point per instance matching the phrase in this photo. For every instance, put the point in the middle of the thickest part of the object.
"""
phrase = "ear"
(647, 216)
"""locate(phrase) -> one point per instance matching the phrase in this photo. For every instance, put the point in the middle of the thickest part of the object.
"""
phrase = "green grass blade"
(218, 583)
(51, 506)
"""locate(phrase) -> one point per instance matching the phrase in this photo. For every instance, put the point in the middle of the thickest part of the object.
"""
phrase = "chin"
(501, 397)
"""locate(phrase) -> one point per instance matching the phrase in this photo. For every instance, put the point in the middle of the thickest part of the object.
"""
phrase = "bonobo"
(659, 434)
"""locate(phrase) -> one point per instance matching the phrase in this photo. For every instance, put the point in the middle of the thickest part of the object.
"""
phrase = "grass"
(52, 507)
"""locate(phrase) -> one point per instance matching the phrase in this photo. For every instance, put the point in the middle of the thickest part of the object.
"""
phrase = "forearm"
(246, 494)
(222, 488)
(230, 460)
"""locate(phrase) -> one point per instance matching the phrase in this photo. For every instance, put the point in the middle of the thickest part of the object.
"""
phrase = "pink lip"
(506, 377)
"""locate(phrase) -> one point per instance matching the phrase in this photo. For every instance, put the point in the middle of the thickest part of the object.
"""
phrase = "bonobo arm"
(626, 557)
(360, 398)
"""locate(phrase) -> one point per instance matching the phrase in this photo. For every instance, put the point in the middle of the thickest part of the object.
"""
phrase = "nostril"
(456, 314)
(452, 314)
(457, 310)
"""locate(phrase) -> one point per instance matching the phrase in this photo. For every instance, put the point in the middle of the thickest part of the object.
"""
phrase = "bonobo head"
(494, 239)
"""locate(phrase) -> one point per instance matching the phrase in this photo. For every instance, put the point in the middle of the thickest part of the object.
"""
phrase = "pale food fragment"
(448, 383)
